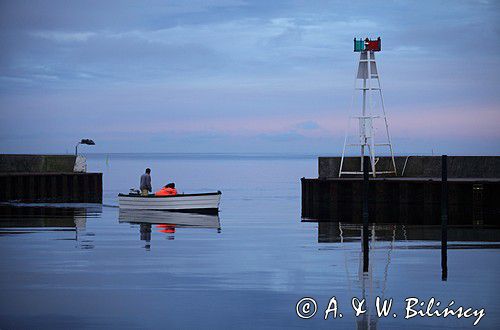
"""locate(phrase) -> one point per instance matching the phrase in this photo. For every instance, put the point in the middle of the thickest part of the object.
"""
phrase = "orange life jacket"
(166, 192)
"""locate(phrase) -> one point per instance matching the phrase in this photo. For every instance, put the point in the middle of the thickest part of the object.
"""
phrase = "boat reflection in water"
(166, 222)
(58, 221)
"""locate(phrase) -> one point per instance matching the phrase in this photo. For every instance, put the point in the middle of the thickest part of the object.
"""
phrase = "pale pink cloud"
(415, 123)
(464, 122)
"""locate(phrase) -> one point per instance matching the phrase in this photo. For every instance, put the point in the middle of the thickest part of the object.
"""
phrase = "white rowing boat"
(200, 203)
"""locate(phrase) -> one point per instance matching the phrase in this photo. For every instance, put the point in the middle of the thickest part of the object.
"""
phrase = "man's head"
(148, 170)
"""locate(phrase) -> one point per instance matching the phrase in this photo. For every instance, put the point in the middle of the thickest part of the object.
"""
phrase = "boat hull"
(207, 203)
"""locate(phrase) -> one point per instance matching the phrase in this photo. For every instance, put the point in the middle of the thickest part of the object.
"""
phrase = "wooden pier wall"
(46, 179)
(402, 200)
(51, 187)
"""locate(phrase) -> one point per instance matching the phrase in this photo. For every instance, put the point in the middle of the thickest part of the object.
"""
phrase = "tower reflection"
(384, 241)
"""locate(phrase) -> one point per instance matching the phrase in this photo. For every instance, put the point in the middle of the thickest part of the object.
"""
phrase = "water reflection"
(58, 219)
(478, 236)
(166, 222)
(145, 230)
(383, 241)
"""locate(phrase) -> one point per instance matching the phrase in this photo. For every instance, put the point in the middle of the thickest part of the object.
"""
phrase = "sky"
(244, 76)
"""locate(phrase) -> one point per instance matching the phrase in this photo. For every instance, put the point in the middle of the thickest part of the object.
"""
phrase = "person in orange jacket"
(168, 190)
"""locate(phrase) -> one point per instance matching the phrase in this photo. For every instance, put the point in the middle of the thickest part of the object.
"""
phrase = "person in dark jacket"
(145, 186)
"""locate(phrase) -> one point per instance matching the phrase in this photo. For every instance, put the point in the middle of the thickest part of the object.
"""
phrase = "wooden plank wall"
(51, 187)
(401, 201)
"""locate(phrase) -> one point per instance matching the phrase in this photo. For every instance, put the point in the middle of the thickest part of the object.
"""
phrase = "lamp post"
(83, 141)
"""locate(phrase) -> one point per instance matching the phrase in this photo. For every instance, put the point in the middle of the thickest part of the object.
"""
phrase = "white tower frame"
(367, 72)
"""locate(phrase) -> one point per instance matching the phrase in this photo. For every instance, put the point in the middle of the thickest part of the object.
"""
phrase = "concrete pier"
(36, 163)
(46, 179)
(473, 197)
(418, 166)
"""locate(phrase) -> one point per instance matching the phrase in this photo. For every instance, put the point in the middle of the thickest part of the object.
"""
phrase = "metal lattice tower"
(367, 82)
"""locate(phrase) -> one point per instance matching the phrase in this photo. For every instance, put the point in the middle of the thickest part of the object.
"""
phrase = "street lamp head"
(84, 141)
(87, 141)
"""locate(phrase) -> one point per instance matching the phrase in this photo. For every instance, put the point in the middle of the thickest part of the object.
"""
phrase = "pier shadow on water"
(56, 221)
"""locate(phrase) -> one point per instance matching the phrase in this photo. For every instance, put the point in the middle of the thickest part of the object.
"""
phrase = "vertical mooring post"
(366, 175)
(444, 218)
(477, 204)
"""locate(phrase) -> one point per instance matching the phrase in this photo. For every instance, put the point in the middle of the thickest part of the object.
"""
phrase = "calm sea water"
(92, 267)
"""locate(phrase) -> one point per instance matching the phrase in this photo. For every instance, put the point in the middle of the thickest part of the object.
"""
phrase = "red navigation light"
(373, 45)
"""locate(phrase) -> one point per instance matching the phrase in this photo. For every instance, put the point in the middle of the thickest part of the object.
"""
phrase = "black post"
(366, 186)
(444, 218)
